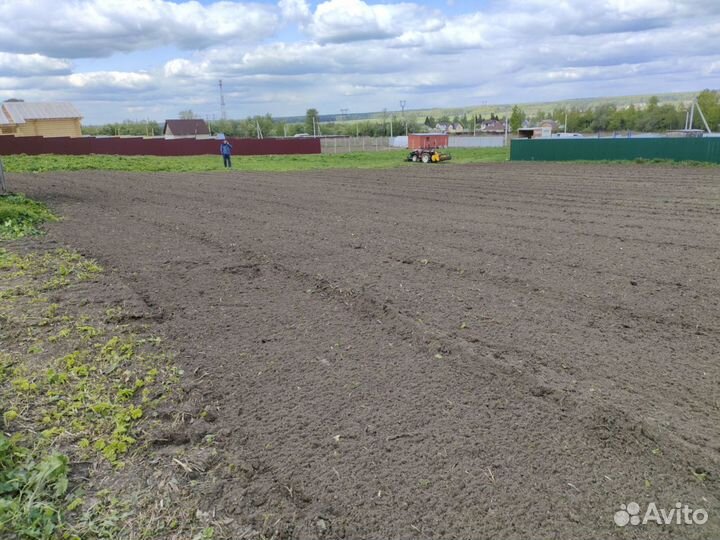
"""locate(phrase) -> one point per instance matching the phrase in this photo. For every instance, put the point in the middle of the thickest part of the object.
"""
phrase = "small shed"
(534, 132)
(186, 128)
(417, 141)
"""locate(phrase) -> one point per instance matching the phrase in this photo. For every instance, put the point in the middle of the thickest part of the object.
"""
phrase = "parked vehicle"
(428, 155)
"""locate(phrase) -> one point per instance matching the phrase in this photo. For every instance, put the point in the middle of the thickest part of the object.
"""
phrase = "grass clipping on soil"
(20, 216)
(76, 386)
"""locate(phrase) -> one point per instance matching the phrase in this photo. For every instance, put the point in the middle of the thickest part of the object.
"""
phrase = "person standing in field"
(226, 151)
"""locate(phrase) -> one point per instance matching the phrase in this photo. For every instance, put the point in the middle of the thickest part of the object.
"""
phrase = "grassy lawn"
(356, 160)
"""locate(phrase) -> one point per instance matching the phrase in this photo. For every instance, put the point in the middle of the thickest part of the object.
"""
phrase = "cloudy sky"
(150, 59)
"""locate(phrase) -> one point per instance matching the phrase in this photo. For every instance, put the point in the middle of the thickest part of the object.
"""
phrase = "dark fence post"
(3, 185)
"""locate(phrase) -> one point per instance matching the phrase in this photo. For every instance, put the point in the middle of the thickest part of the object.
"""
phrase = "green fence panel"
(672, 148)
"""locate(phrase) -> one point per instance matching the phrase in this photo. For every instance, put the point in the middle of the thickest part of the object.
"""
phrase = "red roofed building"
(186, 128)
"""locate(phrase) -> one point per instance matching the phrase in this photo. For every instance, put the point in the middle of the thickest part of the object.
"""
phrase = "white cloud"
(290, 60)
(97, 28)
(110, 80)
(294, 10)
(711, 68)
(354, 20)
(360, 54)
(24, 65)
(183, 68)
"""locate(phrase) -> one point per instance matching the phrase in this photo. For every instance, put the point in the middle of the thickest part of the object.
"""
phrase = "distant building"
(493, 126)
(534, 132)
(444, 127)
(186, 128)
(25, 119)
(548, 123)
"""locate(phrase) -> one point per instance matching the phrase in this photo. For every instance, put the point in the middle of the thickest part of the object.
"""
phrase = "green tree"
(146, 128)
(601, 118)
(709, 102)
(311, 118)
(623, 119)
(516, 118)
(187, 114)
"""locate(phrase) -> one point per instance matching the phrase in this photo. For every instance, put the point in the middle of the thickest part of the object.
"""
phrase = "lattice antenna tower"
(223, 111)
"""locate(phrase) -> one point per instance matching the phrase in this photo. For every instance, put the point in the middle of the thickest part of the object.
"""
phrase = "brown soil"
(492, 351)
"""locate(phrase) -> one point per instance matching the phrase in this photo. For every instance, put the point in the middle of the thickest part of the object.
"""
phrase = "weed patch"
(20, 216)
(76, 385)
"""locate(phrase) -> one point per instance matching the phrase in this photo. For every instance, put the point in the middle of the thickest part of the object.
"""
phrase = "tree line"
(652, 117)
(267, 126)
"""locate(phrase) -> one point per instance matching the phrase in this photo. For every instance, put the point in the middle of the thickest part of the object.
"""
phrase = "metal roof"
(4, 120)
(19, 112)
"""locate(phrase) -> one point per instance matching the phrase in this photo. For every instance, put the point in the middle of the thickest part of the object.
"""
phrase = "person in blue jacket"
(226, 151)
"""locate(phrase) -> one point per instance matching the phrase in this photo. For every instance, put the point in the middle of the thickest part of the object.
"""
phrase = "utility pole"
(697, 104)
(402, 109)
(223, 112)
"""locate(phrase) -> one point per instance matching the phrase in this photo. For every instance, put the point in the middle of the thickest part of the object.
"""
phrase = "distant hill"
(505, 109)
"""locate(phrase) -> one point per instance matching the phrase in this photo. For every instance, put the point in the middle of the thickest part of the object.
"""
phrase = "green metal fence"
(676, 149)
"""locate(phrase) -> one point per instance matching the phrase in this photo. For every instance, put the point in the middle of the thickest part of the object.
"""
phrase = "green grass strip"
(356, 160)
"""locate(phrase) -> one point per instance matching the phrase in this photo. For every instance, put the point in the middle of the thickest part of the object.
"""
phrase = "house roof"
(19, 112)
(186, 127)
(4, 120)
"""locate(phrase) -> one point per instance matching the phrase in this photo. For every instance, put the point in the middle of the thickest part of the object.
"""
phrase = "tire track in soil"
(300, 344)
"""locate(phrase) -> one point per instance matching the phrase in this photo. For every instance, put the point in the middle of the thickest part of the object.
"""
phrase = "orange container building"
(418, 141)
